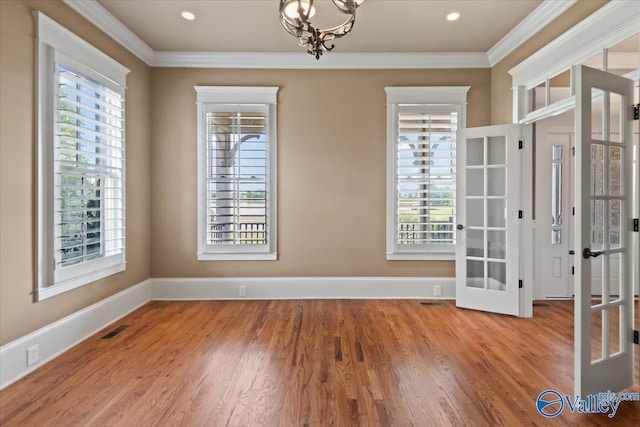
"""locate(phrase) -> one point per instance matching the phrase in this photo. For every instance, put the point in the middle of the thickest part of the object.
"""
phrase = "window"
(421, 170)
(236, 173)
(81, 162)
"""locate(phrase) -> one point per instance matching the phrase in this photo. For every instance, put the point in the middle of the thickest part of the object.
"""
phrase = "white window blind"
(425, 176)
(89, 170)
(237, 178)
(237, 173)
(421, 170)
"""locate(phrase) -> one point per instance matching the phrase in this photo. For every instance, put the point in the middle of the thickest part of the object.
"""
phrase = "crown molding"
(95, 13)
(607, 26)
(527, 28)
(337, 60)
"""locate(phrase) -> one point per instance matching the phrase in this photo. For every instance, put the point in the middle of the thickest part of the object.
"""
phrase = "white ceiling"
(381, 25)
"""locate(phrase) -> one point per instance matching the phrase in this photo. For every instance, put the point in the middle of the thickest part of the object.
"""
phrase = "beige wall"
(331, 169)
(501, 94)
(19, 315)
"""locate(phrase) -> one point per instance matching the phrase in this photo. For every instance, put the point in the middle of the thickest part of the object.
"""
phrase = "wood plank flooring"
(309, 363)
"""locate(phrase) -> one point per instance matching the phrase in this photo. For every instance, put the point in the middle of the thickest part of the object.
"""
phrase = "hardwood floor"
(309, 363)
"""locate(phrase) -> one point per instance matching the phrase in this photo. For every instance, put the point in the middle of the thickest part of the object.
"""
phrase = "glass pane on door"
(475, 274)
(496, 216)
(497, 150)
(597, 320)
(497, 244)
(614, 122)
(475, 182)
(597, 108)
(616, 287)
(475, 243)
(496, 184)
(475, 152)
(475, 209)
(616, 318)
(497, 275)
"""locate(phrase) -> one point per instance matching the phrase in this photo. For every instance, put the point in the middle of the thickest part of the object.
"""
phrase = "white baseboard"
(301, 288)
(65, 333)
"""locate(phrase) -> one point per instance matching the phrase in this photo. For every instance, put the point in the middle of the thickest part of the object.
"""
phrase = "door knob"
(586, 253)
(459, 226)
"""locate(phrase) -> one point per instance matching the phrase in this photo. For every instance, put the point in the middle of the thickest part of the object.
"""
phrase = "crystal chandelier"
(295, 15)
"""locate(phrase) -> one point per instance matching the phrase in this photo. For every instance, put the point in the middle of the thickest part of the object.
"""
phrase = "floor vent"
(433, 303)
(540, 304)
(115, 332)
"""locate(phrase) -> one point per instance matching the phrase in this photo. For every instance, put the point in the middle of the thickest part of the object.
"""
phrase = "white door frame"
(556, 256)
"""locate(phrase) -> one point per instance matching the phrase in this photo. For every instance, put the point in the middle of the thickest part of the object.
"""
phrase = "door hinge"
(636, 112)
(520, 145)
(636, 338)
(573, 270)
(573, 211)
(520, 284)
(520, 214)
(635, 224)
(572, 252)
(573, 151)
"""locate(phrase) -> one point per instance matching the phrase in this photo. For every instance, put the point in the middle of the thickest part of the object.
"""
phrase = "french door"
(488, 201)
(604, 237)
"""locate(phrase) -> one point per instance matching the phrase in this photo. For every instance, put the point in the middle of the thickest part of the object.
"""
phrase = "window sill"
(208, 256)
(86, 279)
(413, 256)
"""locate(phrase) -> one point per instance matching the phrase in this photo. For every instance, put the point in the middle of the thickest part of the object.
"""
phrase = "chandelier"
(295, 15)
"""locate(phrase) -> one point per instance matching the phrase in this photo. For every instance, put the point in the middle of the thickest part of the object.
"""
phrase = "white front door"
(488, 201)
(603, 232)
(554, 210)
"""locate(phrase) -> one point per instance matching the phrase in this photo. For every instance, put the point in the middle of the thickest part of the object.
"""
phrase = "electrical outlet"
(242, 290)
(33, 355)
(437, 291)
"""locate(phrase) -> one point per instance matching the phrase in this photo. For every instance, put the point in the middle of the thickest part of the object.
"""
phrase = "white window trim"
(208, 97)
(455, 97)
(53, 39)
